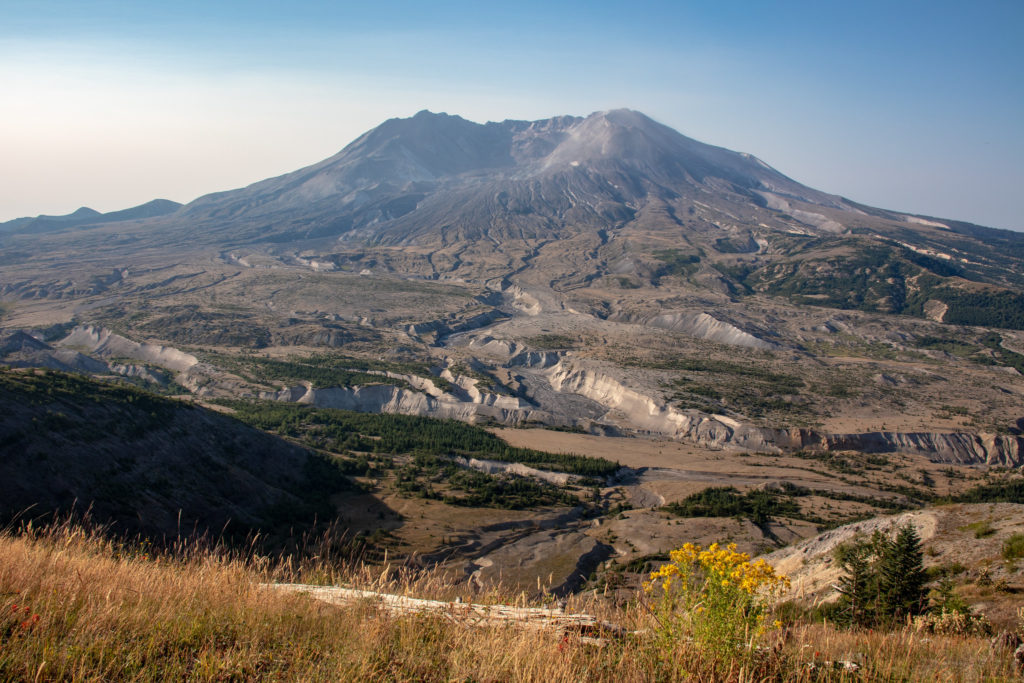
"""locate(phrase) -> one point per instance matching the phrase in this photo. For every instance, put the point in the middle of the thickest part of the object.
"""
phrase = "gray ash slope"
(439, 178)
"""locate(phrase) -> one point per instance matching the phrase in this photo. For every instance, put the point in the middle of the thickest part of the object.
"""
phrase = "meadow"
(80, 606)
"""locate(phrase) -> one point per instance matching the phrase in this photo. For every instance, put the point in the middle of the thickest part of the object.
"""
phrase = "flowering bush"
(954, 624)
(716, 596)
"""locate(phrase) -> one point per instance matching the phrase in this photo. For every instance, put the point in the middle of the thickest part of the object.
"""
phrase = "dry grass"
(107, 611)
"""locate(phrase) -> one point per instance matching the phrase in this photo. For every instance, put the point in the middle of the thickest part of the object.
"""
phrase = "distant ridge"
(87, 216)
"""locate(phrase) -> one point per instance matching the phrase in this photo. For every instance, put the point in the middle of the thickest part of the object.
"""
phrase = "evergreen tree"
(858, 586)
(945, 599)
(884, 580)
(901, 576)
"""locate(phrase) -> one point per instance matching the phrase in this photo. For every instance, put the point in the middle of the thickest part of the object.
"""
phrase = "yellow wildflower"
(716, 595)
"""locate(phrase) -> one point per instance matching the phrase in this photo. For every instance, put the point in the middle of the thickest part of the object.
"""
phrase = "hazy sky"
(908, 105)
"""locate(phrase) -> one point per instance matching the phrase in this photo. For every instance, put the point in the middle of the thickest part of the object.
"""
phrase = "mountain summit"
(409, 178)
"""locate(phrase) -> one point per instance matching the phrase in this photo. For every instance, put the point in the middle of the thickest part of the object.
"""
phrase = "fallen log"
(587, 626)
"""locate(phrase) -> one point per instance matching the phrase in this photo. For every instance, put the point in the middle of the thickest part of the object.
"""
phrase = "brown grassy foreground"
(78, 607)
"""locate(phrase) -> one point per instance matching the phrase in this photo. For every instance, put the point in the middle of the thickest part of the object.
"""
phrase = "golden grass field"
(77, 607)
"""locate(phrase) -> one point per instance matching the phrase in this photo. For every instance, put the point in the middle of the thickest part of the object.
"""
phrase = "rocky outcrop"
(698, 324)
(21, 350)
(953, 447)
(385, 398)
(443, 328)
(535, 359)
(637, 412)
(705, 326)
(140, 372)
(502, 348)
(957, 447)
(517, 468)
(104, 343)
(21, 342)
(935, 310)
(522, 301)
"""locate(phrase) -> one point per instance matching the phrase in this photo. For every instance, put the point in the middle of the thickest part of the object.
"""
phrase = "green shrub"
(1013, 547)
(883, 580)
(340, 430)
(982, 529)
(756, 505)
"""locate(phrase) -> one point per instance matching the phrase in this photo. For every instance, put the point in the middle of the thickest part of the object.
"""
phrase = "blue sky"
(914, 106)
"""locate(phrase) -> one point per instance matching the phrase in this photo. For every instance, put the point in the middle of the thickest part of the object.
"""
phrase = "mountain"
(435, 178)
(575, 202)
(441, 181)
(614, 194)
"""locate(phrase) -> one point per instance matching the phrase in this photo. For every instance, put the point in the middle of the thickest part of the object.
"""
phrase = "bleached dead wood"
(587, 626)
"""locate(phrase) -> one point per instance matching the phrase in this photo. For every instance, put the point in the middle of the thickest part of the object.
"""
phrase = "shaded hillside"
(138, 459)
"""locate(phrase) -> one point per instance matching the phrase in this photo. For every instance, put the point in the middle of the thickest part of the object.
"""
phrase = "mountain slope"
(551, 173)
(149, 464)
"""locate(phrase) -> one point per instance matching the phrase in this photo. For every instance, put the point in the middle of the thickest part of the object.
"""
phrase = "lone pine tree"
(901, 576)
(884, 580)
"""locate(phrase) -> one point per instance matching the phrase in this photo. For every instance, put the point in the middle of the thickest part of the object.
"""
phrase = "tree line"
(342, 431)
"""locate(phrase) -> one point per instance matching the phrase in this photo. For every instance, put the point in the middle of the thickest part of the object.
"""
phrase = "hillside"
(146, 464)
(964, 542)
(87, 216)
